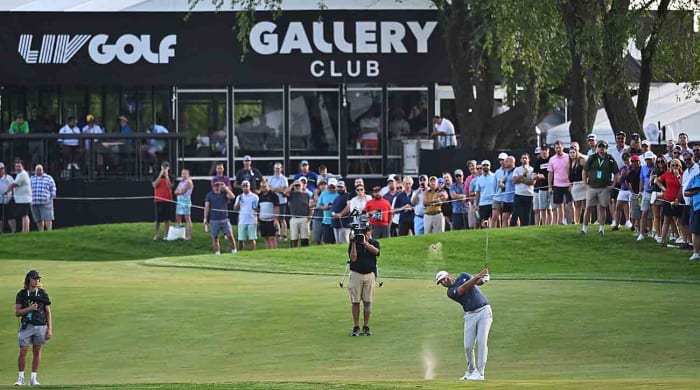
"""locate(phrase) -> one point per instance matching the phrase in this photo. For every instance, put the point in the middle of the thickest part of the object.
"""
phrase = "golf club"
(486, 253)
(345, 274)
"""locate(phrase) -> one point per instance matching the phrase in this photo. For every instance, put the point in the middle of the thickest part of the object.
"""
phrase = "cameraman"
(163, 199)
(363, 252)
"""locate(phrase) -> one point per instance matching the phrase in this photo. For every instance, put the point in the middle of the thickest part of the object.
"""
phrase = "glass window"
(365, 130)
(313, 126)
(128, 108)
(258, 123)
(407, 114)
(112, 110)
(163, 107)
(145, 109)
(73, 105)
(203, 117)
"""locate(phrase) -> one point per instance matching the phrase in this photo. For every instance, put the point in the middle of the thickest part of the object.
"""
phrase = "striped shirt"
(43, 189)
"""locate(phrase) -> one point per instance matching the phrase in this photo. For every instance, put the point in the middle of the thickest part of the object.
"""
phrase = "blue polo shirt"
(486, 187)
(327, 198)
(644, 175)
(472, 299)
(457, 206)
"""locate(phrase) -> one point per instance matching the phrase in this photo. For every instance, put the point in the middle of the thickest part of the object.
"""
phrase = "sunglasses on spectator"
(360, 190)
(458, 175)
(675, 165)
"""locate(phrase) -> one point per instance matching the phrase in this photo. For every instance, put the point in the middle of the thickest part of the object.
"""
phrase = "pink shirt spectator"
(559, 166)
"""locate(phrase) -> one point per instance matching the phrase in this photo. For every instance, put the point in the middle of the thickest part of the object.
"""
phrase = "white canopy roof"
(203, 6)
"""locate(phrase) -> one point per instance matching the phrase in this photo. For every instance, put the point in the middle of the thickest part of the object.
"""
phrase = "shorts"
(32, 335)
(42, 212)
(497, 205)
(597, 197)
(485, 212)
(267, 228)
(578, 191)
(624, 196)
(542, 201)
(283, 212)
(507, 207)
(646, 201)
(361, 287)
(635, 209)
(669, 210)
(327, 234)
(20, 210)
(684, 219)
(164, 211)
(561, 195)
(247, 231)
(184, 205)
(298, 228)
(222, 226)
(695, 222)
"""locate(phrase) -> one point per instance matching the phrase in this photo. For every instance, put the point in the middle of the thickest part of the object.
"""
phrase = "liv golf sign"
(332, 38)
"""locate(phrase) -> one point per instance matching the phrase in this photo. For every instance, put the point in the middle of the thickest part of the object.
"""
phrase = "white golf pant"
(477, 325)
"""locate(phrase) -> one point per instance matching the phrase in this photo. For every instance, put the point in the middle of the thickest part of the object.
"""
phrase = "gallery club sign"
(127, 49)
(370, 37)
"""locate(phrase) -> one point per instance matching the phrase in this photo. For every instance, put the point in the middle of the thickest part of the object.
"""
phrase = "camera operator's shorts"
(32, 335)
(361, 287)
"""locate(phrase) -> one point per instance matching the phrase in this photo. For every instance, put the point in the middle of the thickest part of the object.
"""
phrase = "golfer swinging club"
(477, 316)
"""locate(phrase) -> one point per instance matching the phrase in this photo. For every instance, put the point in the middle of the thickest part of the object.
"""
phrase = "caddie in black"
(33, 305)
(363, 250)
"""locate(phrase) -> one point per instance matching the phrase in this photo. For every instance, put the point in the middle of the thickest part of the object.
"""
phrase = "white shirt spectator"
(92, 129)
(358, 203)
(279, 181)
(69, 130)
(689, 173)
(617, 155)
(5, 183)
(522, 188)
(23, 191)
(450, 139)
(248, 203)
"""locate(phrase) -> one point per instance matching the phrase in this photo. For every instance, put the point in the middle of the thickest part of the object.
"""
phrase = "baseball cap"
(677, 147)
(502, 156)
(485, 162)
(245, 183)
(304, 162)
(649, 155)
(441, 180)
(391, 177)
(635, 158)
(218, 179)
(33, 274)
(538, 150)
(459, 172)
(687, 151)
(602, 143)
(440, 275)
(376, 188)
(621, 134)
(303, 178)
(2, 165)
(341, 183)
(423, 177)
(90, 117)
(635, 136)
(123, 118)
(625, 155)
(432, 178)
(646, 142)
(591, 137)
(277, 165)
(332, 181)
(247, 158)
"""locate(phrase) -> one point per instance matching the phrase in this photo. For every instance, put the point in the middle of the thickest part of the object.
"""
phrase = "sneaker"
(475, 376)
(601, 231)
(355, 331)
(694, 257)
(217, 253)
(234, 251)
(20, 382)
(366, 331)
(34, 382)
(628, 224)
(155, 238)
(680, 240)
(659, 240)
(584, 230)
(613, 224)
(467, 375)
(640, 238)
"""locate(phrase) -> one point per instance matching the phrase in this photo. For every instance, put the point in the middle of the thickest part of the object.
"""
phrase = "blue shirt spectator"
(43, 187)
(247, 203)
(338, 205)
(326, 198)
(457, 206)
(218, 204)
(402, 200)
(486, 187)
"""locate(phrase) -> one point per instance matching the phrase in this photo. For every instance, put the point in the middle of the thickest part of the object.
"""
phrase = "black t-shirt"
(540, 166)
(366, 262)
(633, 178)
(27, 298)
(253, 175)
(266, 204)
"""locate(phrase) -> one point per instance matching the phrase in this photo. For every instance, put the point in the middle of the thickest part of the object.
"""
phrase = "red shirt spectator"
(162, 190)
(379, 211)
(672, 184)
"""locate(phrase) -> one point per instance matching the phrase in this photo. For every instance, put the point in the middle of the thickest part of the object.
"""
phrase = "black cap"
(33, 274)
(602, 143)
(621, 134)
(635, 136)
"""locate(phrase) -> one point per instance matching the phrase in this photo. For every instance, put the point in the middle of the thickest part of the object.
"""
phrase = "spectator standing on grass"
(246, 204)
(646, 189)
(325, 203)
(432, 199)
(485, 188)
(471, 207)
(300, 211)
(311, 177)
(542, 202)
(692, 190)
(250, 174)
(183, 209)
(317, 218)
(269, 209)
(633, 183)
(220, 176)
(33, 306)
(691, 171)
(278, 185)
(43, 194)
(559, 185)
(23, 195)
(670, 185)
(163, 199)
(578, 187)
(389, 195)
(403, 207)
(523, 177)
(379, 211)
(598, 174)
(5, 196)
(622, 205)
(340, 220)
(418, 206)
(458, 204)
(215, 209)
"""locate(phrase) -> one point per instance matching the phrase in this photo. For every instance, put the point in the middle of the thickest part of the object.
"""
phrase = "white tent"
(669, 105)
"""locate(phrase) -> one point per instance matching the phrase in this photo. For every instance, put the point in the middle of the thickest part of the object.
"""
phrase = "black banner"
(297, 48)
